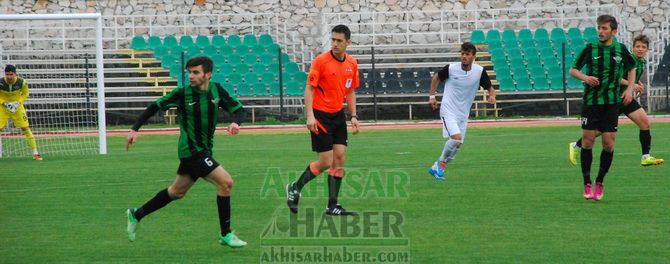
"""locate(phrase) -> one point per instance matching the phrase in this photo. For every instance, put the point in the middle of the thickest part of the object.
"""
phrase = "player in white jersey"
(462, 82)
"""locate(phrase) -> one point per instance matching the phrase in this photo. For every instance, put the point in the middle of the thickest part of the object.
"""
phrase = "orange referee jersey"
(332, 80)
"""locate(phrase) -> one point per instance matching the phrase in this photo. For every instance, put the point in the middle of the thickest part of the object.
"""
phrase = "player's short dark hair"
(641, 38)
(206, 63)
(608, 19)
(342, 29)
(469, 47)
(10, 68)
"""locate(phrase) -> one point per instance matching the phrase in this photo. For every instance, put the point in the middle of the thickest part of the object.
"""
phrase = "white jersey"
(460, 89)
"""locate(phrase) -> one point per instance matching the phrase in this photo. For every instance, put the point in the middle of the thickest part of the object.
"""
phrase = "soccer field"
(510, 196)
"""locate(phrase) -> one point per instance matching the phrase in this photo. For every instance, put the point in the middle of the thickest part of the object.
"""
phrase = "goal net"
(60, 58)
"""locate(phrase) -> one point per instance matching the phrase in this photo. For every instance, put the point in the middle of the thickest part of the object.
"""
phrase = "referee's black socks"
(306, 176)
(334, 183)
(161, 199)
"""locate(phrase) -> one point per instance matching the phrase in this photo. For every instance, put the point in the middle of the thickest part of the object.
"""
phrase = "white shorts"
(452, 126)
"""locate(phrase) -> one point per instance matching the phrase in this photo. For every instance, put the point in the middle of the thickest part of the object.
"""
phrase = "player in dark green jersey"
(605, 61)
(197, 110)
(634, 110)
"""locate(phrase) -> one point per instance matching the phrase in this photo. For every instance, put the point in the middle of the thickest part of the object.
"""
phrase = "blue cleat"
(436, 172)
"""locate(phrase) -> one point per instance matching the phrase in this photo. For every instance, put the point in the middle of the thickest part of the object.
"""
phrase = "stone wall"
(304, 17)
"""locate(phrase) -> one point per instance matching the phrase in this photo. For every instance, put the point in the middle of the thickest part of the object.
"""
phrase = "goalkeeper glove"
(12, 107)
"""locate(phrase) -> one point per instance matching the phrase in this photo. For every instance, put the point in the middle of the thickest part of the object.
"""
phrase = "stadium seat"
(506, 84)
(492, 34)
(557, 36)
(525, 34)
(523, 84)
(495, 43)
(393, 86)
(170, 41)
(168, 60)
(234, 78)
(273, 48)
(423, 74)
(550, 62)
(234, 41)
(258, 49)
(274, 89)
(138, 43)
(193, 51)
(250, 58)
(541, 34)
(519, 71)
(517, 61)
(261, 89)
(258, 68)
(273, 68)
(300, 77)
(154, 42)
(226, 68)
(574, 33)
(265, 40)
(269, 77)
(225, 49)
(219, 78)
(547, 52)
(540, 83)
(527, 43)
(175, 51)
(176, 71)
(407, 74)
(251, 78)
(409, 85)
(218, 40)
(509, 36)
(292, 67)
(554, 70)
(536, 71)
(202, 41)
(574, 83)
(590, 34)
(478, 37)
(210, 50)
(267, 58)
(497, 52)
(556, 82)
(244, 89)
(294, 89)
(241, 68)
(250, 40)
(218, 59)
(234, 59)
(242, 49)
(514, 56)
(186, 41)
(160, 51)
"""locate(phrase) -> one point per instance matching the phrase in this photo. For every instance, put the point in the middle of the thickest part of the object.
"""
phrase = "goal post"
(37, 41)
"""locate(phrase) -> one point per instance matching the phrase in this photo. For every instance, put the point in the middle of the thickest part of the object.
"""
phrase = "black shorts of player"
(604, 118)
(332, 129)
(632, 107)
(198, 165)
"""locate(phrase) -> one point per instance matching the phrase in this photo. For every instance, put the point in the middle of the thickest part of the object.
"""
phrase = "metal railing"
(453, 27)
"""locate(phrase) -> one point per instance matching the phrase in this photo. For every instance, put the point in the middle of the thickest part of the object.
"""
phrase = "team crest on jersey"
(348, 83)
(617, 59)
(348, 70)
(215, 101)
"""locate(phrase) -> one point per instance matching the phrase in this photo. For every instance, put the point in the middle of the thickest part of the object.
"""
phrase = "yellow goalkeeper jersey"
(15, 91)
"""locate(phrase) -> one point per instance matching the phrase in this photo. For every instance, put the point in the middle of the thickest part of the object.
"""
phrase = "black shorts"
(198, 165)
(332, 129)
(632, 107)
(604, 118)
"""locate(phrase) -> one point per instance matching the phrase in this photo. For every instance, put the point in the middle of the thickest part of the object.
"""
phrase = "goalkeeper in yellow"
(13, 92)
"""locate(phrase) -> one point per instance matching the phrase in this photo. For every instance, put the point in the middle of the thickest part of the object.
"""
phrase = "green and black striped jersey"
(640, 66)
(608, 64)
(197, 113)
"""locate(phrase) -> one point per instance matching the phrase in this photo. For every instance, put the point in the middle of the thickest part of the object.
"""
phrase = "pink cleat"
(599, 192)
(588, 194)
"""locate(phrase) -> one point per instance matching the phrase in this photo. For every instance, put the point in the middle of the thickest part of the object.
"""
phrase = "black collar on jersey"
(333, 54)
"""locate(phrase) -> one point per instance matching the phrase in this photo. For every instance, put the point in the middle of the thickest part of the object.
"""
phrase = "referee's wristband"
(354, 116)
(431, 97)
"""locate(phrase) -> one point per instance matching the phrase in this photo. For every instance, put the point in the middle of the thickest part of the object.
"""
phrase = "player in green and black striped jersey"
(634, 110)
(197, 111)
(605, 62)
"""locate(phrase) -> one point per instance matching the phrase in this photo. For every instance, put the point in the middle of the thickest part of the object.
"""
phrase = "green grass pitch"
(510, 196)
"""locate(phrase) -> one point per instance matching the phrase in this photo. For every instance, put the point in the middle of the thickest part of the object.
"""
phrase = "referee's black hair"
(206, 63)
(468, 47)
(10, 68)
(608, 19)
(342, 29)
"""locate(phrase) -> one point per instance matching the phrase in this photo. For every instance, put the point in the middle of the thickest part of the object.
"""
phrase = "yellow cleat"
(573, 153)
(651, 161)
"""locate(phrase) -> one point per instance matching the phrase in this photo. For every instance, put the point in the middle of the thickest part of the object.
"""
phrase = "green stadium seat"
(478, 37)
(590, 34)
(170, 41)
(274, 89)
(300, 77)
(242, 49)
(525, 34)
(234, 78)
(536, 71)
(176, 71)
(292, 67)
(493, 34)
(259, 68)
(225, 49)
(499, 59)
(269, 77)
(176, 50)
(218, 59)
(540, 83)
(219, 78)
(509, 36)
(531, 52)
(523, 84)
(218, 40)
(558, 36)
(187, 82)
(287, 77)
(541, 34)
(241, 68)
(250, 58)
(574, 33)
(514, 56)
(244, 89)
(504, 75)
(574, 83)
(234, 59)
(532, 61)
(168, 60)
(251, 78)
(550, 62)
(265, 40)
(527, 43)
(554, 69)
(234, 40)
(226, 68)
(506, 84)
(267, 58)
(556, 82)
(261, 89)
(202, 41)
(186, 41)
(250, 40)
(547, 52)
(517, 61)
(273, 68)
(193, 51)
(285, 58)
(211, 50)
(160, 52)
(273, 48)
(494, 43)
(154, 42)
(138, 43)
(294, 89)
(258, 49)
